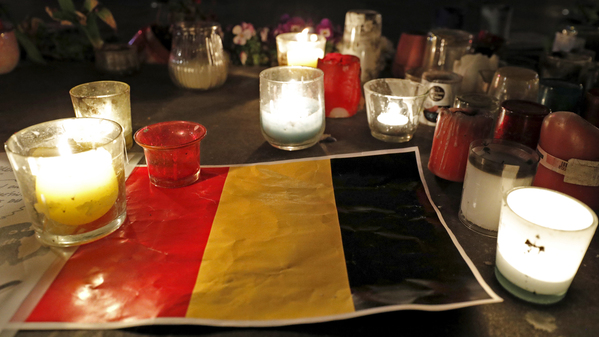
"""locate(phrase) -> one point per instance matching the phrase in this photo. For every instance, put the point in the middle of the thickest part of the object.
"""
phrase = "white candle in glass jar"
(542, 238)
(300, 49)
(494, 167)
(292, 119)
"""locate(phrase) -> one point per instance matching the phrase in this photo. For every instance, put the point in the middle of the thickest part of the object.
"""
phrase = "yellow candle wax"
(76, 189)
(305, 51)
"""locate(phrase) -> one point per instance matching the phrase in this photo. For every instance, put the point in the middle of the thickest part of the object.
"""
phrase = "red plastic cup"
(172, 151)
(410, 53)
(342, 86)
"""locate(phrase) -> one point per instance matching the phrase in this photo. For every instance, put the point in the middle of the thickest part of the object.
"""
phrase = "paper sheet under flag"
(268, 244)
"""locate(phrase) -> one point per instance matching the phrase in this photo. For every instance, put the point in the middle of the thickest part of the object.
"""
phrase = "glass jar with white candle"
(542, 238)
(300, 49)
(197, 59)
(292, 112)
(494, 167)
(362, 38)
(71, 173)
(393, 107)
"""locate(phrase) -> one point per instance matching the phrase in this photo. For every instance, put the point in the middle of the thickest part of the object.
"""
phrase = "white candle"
(543, 236)
(292, 119)
(75, 189)
(394, 120)
(494, 167)
(300, 49)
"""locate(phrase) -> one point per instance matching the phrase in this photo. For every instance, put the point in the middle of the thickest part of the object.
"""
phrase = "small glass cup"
(409, 53)
(444, 47)
(172, 151)
(514, 83)
(300, 49)
(119, 59)
(71, 173)
(292, 110)
(494, 167)
(393, 107)
(567, 66)
(542, 238)
(197, 59)
(342, 86)
(105, 99)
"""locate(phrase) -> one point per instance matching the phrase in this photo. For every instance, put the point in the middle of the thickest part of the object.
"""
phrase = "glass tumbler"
(105, 99)
(444, 47)
(292, 110)
(71, 173)
(393, 107)
(514, 83)
(197, 59)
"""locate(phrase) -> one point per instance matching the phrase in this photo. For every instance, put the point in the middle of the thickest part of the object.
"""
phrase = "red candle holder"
(342, 86)
(520, 121)
(172, 151)
(455, 130)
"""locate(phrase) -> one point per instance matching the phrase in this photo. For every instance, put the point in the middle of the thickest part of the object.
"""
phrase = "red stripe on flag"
(148, 267)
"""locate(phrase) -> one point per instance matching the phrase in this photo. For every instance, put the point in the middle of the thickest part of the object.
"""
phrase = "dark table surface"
(32, 94)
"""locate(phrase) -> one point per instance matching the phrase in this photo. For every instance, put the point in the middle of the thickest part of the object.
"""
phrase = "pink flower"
(243, 57)
(243, 32)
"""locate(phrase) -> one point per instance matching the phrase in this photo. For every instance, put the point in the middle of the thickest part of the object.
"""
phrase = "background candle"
(300, 49)
(542, 238)
(494, 167)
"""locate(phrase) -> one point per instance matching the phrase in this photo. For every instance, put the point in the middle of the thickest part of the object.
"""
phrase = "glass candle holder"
(197, 59)
(444, 47)
(362, 38)
(292, 106)
(117, 59)
(456, 129)
(105, 99)
(567, 66)
(342, 86)
(494, 167)
(9, 49)
(409, 53)
(514, 83)
(542, 238)
(560, 95)
(172, 151)
(520, 121)
(393, 107)
(300, 49)
(71, 173)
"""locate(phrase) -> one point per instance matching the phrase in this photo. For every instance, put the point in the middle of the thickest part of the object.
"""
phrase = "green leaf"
(89, 5)
(105, 15)
(67, 5)
(32, 52)
(92, 32)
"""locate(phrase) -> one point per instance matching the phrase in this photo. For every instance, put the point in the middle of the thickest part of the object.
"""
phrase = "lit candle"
(300, 49)
(75, 189)
(542, 238)
(292, 118)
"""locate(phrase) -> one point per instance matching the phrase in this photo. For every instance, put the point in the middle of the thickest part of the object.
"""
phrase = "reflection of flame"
(305, 36)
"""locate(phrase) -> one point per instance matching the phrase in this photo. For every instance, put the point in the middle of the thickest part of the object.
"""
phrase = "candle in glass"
(300, 49)
(71, 175)
(542, 237)
(292, 106)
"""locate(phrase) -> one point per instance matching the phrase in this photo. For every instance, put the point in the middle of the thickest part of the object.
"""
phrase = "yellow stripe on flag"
(275, 249)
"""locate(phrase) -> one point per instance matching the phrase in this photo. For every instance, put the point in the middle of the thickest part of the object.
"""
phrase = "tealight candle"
(292, 113)
(542, 238)
(300, 49)
(71, 173)
(393, 107)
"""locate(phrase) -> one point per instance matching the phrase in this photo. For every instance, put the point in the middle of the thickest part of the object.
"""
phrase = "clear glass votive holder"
(393, 107)
(105, 99)
(362, 38)
(292, 110)
(172, 151)
(494, 167)
(71, 173)
(541, 241)
(510, 83)
(300, 49)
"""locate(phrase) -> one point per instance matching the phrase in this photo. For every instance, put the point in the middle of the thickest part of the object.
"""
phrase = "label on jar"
(440, 94)
(575, 171)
